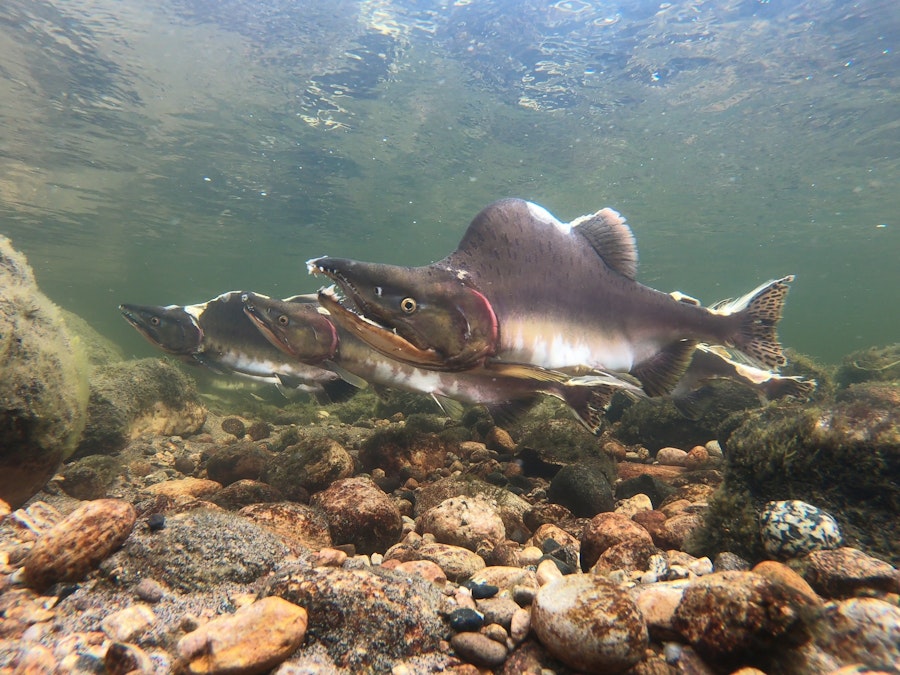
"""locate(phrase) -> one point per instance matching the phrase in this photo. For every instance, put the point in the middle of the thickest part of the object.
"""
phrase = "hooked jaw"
(379, 337)
(427, 317)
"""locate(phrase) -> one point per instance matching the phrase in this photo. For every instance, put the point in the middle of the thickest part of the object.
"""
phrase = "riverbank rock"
(128, 399)
(43, 383)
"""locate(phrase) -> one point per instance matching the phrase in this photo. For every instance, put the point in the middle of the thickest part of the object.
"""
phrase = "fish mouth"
(129, 315)
(379, 337)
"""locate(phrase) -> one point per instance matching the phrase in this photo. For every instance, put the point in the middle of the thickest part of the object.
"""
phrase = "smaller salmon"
(218, 335)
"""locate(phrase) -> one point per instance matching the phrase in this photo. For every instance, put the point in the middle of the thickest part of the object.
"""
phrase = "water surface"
(166, 152)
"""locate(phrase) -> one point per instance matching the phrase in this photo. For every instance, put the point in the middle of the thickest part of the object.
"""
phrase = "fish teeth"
(312, 265)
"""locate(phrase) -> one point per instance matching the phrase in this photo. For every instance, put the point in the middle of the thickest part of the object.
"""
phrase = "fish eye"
(283, 320)
(154, 320)
(408, 305)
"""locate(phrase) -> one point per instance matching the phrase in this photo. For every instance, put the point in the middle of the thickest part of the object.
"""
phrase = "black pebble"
(482, 591)
(156, 522)
(465, 619)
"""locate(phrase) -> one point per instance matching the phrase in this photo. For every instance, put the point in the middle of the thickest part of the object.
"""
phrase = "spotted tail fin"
(760, 311)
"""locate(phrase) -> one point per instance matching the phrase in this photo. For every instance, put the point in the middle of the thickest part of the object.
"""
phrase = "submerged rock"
(792, 527)
(43, 383)
(197, 550)
(139, 397)
(366, 618)
(359, 513)
(252, 640)
(843, 456)
(590, 624)
(78, 543)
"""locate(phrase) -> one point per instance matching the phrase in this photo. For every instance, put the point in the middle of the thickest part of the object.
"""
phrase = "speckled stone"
(79, 542)
(589, 624)
(254, 639)
(865, 630)
(792, 528)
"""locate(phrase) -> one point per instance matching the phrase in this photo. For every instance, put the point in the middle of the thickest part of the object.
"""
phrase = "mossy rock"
(43, 383)
(132, 398)
(565, 441)
(843, 457)
(876, 364)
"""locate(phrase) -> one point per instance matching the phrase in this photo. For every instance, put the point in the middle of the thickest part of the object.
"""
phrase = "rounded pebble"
(79, 542)
(252, 640)
(465, 619)
(156, 522)
(590, 624)
(478, 649)
(463, 521)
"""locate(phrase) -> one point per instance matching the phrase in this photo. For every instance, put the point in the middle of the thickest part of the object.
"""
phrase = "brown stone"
(185, 488)
(605, 530)
(782, 574)
(667, 474)
(298, 523)
(360, 513)
(254, 639)
(727, 616)
(842, 571)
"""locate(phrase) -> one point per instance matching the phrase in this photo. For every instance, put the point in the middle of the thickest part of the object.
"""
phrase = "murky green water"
(166, 152)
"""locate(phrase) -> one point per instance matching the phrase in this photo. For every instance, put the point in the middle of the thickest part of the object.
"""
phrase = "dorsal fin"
(609, 235)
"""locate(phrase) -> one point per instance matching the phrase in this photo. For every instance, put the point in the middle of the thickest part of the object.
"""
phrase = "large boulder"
(43, 383)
